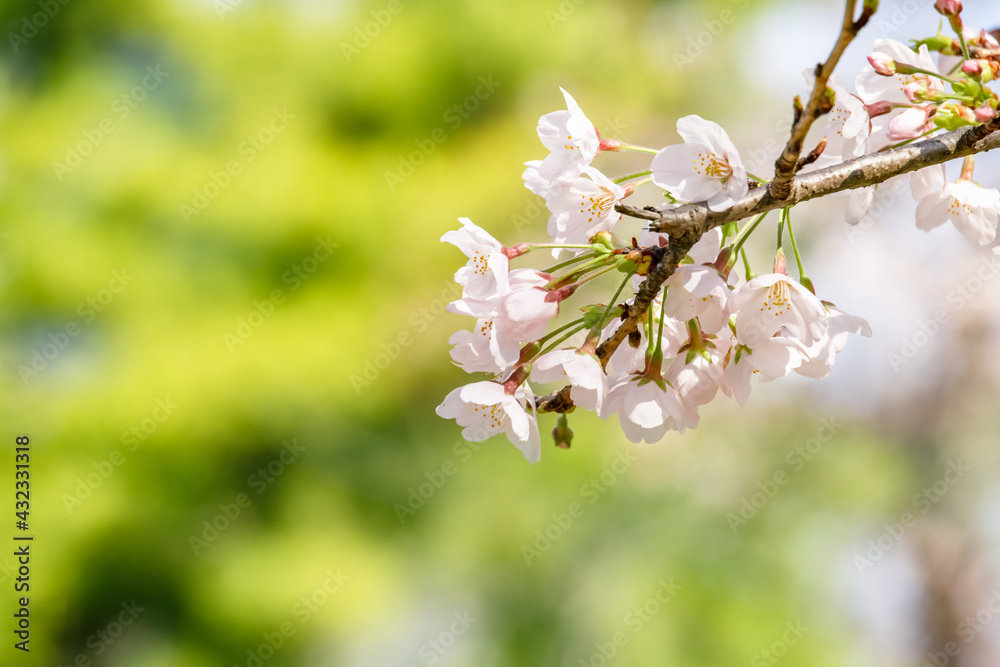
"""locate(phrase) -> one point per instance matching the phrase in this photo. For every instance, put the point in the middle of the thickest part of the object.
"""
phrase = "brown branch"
(861, 172)
(788, 162)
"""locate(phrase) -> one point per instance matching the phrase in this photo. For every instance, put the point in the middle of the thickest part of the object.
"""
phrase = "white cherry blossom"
(572, 140)
(485, 409)
(769, 302)
(695, 290)
(582, 371)
(819, 356)
(768, 360)
(706, 167)
(583, 206)
(971, 208)
(646, 409)
(485, 273)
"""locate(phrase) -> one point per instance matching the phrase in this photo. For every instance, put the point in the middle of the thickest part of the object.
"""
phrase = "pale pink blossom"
(772, 301)
(706, 250)
(695, 290)
(525, 311)
(572, 140)
(819, 356)
(474, 351)
(646, 409)
(706, 167)
(583, 206)
(485, 409)
(971, 208)
(582, 371)
(911, 123)
(768, 360)
(485, 273)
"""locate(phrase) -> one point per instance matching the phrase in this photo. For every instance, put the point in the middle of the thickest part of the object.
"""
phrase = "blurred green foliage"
(249, 262)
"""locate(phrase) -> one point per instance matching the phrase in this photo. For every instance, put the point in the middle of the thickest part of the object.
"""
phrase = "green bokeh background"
(186, 329)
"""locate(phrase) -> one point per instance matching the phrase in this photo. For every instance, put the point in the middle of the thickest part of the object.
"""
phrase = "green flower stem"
(795, 246)
(563, 339)
(579, 271)
(747, 232)
(746, 265)
(546, 337)
(611, 304)
(781, 225)
(637, 149)
(937, 75)
(658, 352)
(622, 179)
(570, 262)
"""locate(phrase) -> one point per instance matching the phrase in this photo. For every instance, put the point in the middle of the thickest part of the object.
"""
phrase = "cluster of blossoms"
(709, 329)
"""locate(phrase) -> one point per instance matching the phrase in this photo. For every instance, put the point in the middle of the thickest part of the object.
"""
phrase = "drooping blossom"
(582, 371)
(696, 290)
(485, 273)
(772, 301)
(646, 409)
(819, 357)
(583, 206)
(485, 409)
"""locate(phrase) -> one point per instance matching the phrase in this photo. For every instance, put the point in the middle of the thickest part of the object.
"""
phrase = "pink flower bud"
(985, 113)
(911, 123)
(610, 145)
(880, 108)
(882, 63)
(914, 92)
(948, 7)
(972, 67)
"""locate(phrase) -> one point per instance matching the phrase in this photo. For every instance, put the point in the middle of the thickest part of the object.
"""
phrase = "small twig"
(787, 163)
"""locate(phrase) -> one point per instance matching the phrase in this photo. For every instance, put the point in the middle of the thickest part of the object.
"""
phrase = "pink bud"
(610, 145)
(972, 67)
(914, 92)
(880, 108)
(517, 250)
(911, 123)
(948, 7)
(985, 113)
(882, 63)
(780, 262)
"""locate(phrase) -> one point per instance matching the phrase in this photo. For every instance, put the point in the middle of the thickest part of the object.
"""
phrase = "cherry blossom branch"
(686, 224)
(788, 162)
(861, 172)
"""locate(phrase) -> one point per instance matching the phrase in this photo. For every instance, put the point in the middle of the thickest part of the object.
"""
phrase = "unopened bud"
(911, 123)
(948, 7)
(985, 113)
(562, 433)
(603, 240)
(879, 108)
(780, 262)
(882, 63)
(972, 67)
(610, 145)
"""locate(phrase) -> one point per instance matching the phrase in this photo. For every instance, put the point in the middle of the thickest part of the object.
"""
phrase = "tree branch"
(861, 172)
(788, 162)
(686, 224)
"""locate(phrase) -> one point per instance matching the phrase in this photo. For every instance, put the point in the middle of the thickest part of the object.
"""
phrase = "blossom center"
(956, 206)
(597, 204)
(776, 300)
(712, 165)
(489, 413)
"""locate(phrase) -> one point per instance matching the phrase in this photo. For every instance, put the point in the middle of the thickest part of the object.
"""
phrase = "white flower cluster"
(709, 329)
